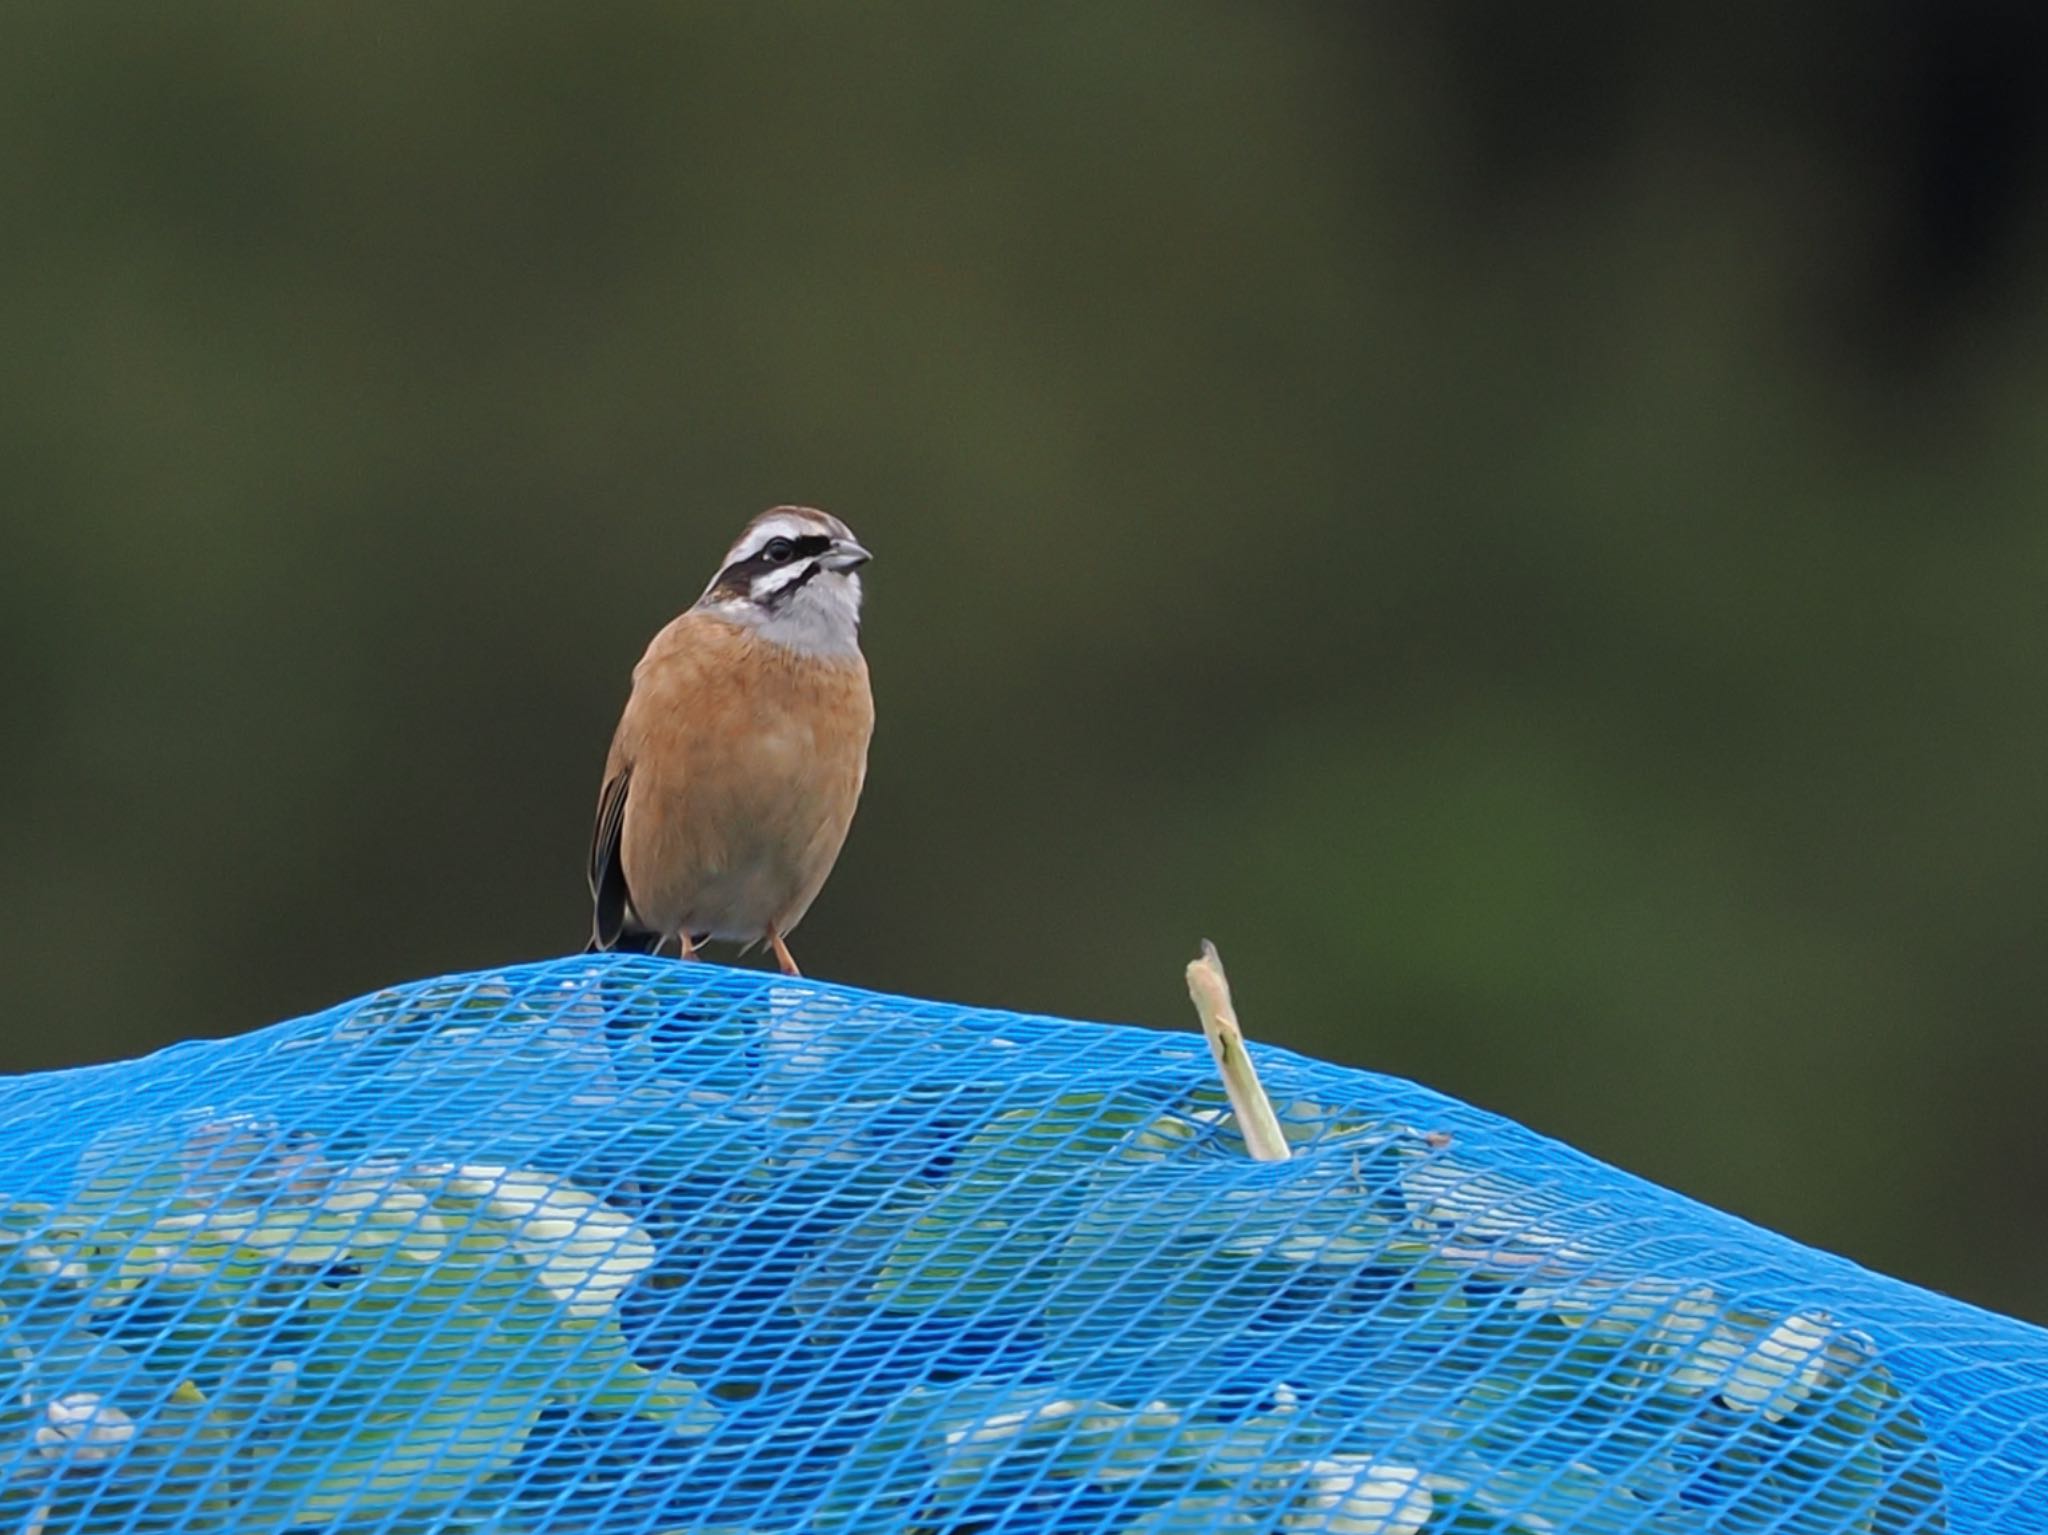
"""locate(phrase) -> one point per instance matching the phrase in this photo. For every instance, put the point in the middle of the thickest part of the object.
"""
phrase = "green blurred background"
(1526, 525)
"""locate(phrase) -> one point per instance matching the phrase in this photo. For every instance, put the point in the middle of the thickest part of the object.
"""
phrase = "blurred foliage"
(277, 1341)
(1524, 526)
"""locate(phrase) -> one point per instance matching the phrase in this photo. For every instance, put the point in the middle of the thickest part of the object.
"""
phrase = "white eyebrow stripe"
(761, 535)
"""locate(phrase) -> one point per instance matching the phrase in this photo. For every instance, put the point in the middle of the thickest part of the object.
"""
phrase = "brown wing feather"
(615, 919)
(608, 895)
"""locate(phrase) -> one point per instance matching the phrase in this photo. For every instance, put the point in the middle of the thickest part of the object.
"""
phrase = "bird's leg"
(684, 948)
(783, 957)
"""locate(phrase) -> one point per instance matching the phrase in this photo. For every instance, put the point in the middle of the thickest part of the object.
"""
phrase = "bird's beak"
(845, 554)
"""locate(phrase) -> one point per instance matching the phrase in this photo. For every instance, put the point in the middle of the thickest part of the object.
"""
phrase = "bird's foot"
(783, 958)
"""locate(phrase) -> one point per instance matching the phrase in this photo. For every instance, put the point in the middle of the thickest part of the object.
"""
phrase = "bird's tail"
(624, 943)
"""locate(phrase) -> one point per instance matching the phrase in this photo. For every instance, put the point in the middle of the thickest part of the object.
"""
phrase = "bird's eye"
(777, 551)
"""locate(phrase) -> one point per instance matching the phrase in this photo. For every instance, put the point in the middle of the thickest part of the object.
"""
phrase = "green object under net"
(613, 1245)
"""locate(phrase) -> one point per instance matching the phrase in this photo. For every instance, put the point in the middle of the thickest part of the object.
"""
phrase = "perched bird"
(741, 753)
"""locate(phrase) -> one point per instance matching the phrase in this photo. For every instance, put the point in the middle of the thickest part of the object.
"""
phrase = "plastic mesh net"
(619, 1245)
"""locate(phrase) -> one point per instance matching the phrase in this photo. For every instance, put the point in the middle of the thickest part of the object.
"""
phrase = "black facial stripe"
(737, 579)
(782, 593)
(743, 571)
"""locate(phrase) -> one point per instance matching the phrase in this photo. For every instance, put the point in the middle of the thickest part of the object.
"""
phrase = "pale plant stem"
(1256, 1121)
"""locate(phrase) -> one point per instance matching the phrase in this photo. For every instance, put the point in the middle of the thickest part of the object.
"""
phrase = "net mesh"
(617, 1245)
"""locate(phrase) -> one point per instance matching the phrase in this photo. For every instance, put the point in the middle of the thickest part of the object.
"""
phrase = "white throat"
(821, 618)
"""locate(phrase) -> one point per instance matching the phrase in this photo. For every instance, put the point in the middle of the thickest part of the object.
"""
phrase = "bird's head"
(793, 575)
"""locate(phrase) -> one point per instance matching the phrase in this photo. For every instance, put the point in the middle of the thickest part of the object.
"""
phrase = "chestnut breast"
(748, 760)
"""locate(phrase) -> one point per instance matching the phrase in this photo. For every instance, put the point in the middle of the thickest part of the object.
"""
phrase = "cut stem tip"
(1209, 988)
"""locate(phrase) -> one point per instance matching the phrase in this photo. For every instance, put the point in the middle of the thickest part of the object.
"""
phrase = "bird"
(741, 753)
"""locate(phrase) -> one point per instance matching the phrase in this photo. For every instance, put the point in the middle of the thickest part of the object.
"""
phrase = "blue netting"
(617, 1245)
